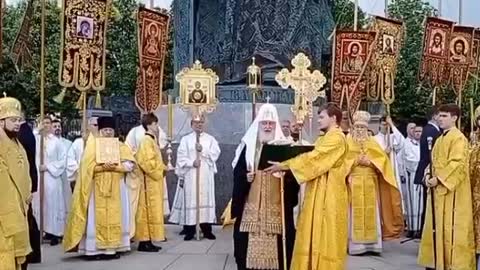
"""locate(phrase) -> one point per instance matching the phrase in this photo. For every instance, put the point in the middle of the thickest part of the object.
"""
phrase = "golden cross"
(306, 84)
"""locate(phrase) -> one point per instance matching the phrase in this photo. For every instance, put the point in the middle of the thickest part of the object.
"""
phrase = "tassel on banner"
(59, 98)
(79, 105)
(98, 101)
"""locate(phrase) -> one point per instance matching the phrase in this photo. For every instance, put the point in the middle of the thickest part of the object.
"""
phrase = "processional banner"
(152, 46)
(353, 51)
(460, 56)
(20, 52)
(84, 38)
(435, 52)
(475, 66)
(387, 48)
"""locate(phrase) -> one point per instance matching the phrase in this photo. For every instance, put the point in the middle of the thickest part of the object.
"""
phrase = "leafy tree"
(344, 15)
(411, 100)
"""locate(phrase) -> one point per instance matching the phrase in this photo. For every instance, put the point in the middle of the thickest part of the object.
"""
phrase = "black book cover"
(280, 153)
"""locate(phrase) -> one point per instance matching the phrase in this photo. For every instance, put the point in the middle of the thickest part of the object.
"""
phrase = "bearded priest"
(15, 186)
(375, 201)
(99, 222)
(256, 199)
(321, 240)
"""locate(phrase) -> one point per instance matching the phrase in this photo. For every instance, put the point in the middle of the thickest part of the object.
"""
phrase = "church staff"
(187, 165)
(149, 216)
(321, 239)
(99, 221)
(455, 246)
(15, 185)
(375, 201)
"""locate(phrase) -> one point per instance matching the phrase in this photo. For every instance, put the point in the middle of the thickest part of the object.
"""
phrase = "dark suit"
(27, 139)
(428, 131)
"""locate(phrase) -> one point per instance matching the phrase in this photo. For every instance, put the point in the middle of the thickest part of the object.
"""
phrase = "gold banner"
(384, 61)
(82, 55)
(460, 56)
(351, 69)
(475, 66)
(435, 52)
(152, 47)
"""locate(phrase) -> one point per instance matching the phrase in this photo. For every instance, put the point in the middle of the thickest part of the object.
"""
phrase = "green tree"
(411, 100)
(344, 15)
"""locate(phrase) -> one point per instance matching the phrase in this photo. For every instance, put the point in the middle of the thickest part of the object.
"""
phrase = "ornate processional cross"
(306, 84)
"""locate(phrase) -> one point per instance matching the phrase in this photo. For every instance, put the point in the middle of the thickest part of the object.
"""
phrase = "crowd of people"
(347, 195)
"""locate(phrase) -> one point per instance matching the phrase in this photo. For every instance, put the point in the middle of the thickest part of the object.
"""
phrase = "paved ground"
(212, 255)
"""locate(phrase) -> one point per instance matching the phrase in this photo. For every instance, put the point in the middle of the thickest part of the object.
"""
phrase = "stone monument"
(224, 35)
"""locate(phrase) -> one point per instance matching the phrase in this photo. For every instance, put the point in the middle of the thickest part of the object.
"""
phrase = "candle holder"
(254, 83)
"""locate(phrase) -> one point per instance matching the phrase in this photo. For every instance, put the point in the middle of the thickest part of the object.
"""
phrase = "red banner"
(460, 56)
(435, 52)
(353, 50)
(152, 46)
(475, 66)
(20, 52)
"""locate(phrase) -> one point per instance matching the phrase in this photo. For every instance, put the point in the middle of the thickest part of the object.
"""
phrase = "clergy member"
(256, 199)
(75, 152)
(475, 183)
(133, 140)
(392, 144)
(66, 144)
(375, 201)
(321, 239)
(53, 167)
(99, 222)
(15, 186)
(410, 155)
(187, 162)
(450, 183)
(149, 216)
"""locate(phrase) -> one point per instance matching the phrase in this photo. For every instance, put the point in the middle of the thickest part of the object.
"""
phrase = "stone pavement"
(211, 255)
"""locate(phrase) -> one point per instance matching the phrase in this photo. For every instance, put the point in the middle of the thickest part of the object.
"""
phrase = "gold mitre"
(361, 118)
(10, 107)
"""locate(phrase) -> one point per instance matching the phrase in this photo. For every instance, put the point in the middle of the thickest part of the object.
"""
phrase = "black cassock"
(27, 139)
(241, 188)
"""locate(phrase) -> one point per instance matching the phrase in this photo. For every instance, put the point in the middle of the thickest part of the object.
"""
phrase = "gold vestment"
(108, 210)
(455, 247)
(321, 239)
(149, 217)
(15, 186)
(371, 185)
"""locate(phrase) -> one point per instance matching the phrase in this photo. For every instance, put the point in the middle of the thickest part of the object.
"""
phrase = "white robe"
(54, 214)
(397, 143)
(67, 190)
(413, 197)
(74, 156)
(185, 214)
(87, 245)
(133, 140)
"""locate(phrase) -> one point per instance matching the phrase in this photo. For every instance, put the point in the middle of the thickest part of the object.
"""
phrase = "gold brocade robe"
(149, 217)
(455, 248)
(369, 185)
(475, 184)
(15, 188)
(108, 212)
(321, 239)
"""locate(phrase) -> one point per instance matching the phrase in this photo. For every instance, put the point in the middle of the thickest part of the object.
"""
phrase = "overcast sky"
(471, 8)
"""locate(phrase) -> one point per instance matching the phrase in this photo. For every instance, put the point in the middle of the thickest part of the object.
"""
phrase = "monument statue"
(226, 34)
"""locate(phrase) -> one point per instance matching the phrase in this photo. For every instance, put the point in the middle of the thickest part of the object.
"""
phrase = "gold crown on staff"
(361, 118)
(10, 107)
